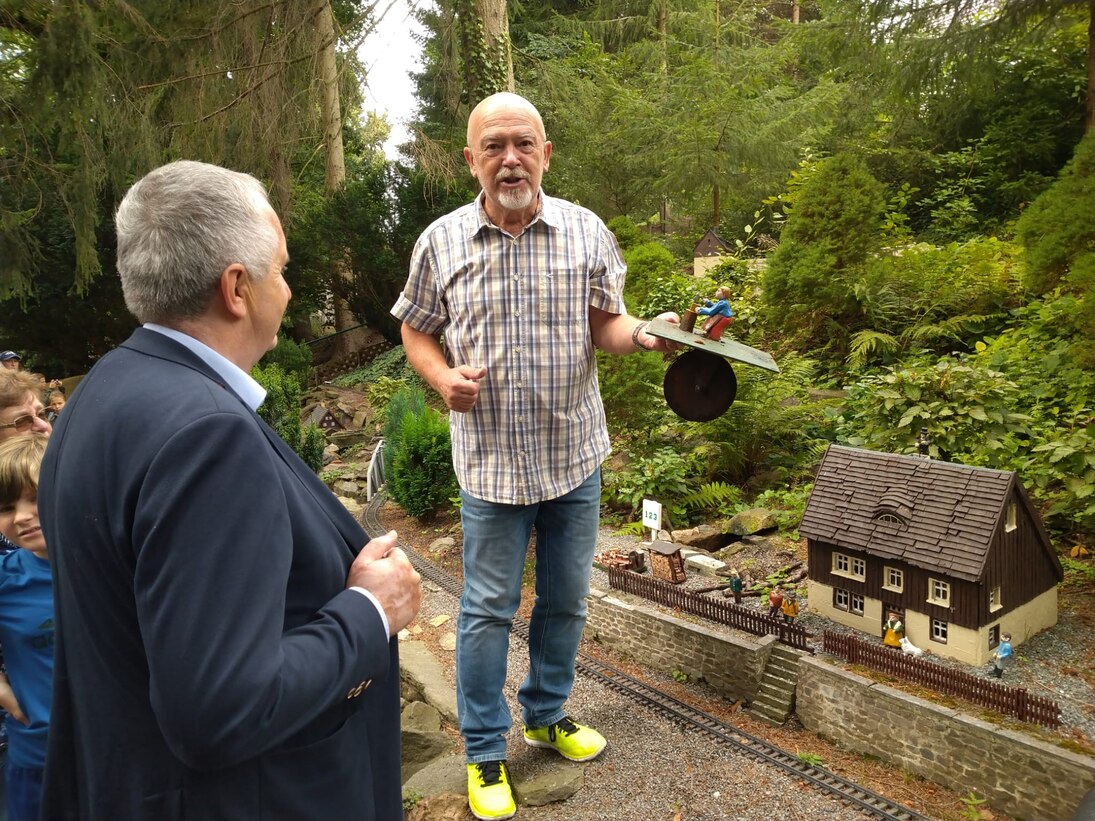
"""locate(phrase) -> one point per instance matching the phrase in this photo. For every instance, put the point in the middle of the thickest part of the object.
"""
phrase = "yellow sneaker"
(570, 740)
(489, 793)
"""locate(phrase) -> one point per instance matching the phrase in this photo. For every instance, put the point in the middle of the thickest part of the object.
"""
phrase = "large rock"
(420, 668)
(754, 520)
(558, 782)
(704, 537)
(445, 807)
(420, 747)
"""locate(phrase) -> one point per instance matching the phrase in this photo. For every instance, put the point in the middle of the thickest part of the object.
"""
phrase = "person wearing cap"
(10, 360)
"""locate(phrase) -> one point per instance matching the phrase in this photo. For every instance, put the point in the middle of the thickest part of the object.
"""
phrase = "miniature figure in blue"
(1002, 654)
(718, 312)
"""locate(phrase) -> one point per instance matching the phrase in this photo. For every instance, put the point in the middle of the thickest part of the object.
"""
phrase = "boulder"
(558, 782)
(704, 537)
(420, 747)
(754, 520)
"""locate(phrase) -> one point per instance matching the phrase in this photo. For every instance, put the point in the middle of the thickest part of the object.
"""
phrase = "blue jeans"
(496, 540)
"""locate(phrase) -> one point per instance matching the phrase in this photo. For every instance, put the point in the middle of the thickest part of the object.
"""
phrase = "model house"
(958, 552)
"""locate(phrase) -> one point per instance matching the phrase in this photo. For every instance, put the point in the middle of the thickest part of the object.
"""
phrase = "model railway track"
(848, 792)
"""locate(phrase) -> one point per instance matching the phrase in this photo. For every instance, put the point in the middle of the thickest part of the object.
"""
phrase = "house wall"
(1017, 563)
(965, 645)
(1018, 774)
(701, 265)
(967, 599)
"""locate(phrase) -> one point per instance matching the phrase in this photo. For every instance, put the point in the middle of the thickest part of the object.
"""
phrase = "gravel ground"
(652, 769)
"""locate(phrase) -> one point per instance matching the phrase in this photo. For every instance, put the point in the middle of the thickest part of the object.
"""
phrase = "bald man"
(523, 286)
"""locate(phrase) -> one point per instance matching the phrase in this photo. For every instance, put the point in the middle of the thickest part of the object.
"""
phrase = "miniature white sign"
(652, 517)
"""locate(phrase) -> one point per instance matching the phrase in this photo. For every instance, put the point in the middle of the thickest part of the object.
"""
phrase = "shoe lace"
(490, 772)
(564, 724)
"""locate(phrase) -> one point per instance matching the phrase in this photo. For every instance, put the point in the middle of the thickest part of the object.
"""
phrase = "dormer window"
(893, 508)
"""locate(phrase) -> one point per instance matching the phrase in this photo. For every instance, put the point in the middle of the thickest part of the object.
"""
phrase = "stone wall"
(731, 666)
(1024, 777)
(1017, 774)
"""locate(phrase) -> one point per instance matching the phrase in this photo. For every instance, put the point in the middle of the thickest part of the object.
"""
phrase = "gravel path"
(652, 769)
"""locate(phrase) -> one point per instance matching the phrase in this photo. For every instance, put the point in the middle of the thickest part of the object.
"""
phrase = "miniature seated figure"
(718, 312)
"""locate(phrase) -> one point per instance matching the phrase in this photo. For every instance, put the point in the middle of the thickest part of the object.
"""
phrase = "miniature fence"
(732, 615)
(1013, 701)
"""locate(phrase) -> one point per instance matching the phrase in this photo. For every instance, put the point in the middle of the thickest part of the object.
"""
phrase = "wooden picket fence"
(993, 694)
(722, 612)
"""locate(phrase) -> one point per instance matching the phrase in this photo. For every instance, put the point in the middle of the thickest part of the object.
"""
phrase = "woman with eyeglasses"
(21, 408)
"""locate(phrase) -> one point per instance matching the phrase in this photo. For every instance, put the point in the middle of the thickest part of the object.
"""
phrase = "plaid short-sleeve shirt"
(519, 305)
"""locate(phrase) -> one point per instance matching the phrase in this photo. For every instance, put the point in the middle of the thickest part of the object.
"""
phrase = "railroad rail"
(848, 792)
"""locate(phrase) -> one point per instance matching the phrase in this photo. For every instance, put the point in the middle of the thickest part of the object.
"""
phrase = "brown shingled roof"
(935, 515)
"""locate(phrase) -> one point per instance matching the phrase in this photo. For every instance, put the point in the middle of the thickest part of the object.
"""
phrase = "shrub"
(408, 400)
(292, 357)
(281, 411)
(645, 263)
(626, 231)
(422, 478)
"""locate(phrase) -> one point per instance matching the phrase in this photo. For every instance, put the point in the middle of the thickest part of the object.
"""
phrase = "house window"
(840, 598)
(994, 636)
(893, 579)
(939, 592)
(1012, 521)
(939, 631)
(889, 518)
(994, 599)
(856, 604)
(850, 566)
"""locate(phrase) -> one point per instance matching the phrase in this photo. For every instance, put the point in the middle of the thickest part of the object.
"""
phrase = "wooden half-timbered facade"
(958, 552)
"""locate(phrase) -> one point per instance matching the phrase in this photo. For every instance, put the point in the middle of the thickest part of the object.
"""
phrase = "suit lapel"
(156, 344)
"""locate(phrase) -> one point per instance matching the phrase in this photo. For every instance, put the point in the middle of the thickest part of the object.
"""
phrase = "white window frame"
(855, 604)
(888, 576)
(939, 592)
(1011, 517)
(995, 602)
(939, 630)
(841, 598)
(850, 567)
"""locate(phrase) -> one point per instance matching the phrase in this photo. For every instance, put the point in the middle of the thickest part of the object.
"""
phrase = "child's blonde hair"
(20, 462)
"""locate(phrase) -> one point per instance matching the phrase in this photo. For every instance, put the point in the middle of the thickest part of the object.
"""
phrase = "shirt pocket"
(562, 297)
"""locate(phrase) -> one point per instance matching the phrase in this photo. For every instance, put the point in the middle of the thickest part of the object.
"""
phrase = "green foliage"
(281, 411)
(812, 759)
(627, 232)
(421, 478)
(407, 402)
(380, 393)
(312, 444)
(674, 292)
(787, 505)
(773, 433)
(968, 409)
(833, 228)
(1078, 574)
(663, 476)
(971, 807)
(645, 263)
(392, 363)
(411, 798)
(717, 498)
(292, 357)
(631, 390)
(679, 676)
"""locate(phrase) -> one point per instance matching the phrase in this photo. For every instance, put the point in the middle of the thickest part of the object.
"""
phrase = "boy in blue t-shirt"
(26, 626)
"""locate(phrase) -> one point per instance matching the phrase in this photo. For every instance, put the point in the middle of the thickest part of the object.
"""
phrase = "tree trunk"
(335, 172)
(495, 21)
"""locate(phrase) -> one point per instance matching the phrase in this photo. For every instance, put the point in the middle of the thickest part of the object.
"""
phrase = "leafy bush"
(391, 363)
(968, 409)
(281, 411)
(627, 232)
(645, 263)
(422, 478)
(674, 292)
(380, 393)
(292, 357)
(662, 476)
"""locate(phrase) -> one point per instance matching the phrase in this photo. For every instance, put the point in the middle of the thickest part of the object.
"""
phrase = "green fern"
(870, 345)
(716, 496)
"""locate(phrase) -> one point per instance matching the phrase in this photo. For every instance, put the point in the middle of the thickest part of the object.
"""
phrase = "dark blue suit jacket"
(209, 662)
